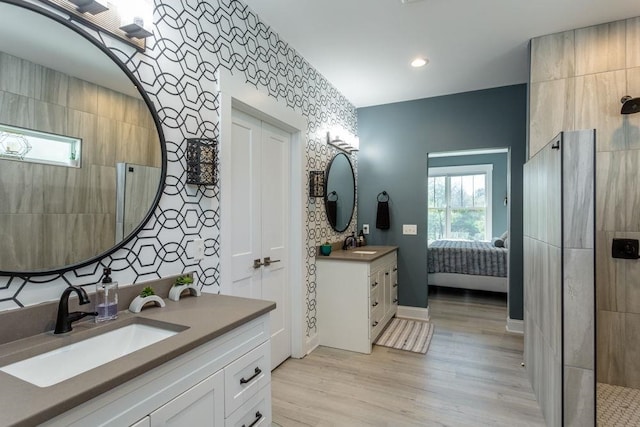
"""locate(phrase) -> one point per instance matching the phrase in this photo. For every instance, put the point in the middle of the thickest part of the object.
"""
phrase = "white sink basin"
(365, 252)
(52, 367)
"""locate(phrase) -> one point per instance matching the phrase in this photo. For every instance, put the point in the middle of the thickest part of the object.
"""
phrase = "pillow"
(504, 235)
(506, 242)
(497, 242)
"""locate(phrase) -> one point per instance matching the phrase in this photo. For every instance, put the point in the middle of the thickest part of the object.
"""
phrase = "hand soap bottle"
(106, 298)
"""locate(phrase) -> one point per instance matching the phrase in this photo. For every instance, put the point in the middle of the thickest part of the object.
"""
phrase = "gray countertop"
(205, 317)
(353, 255)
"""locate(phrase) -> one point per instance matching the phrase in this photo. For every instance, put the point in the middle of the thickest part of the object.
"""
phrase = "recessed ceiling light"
(419, 62)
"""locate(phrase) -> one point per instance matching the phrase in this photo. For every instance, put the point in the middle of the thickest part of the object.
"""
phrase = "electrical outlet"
(365, 228)
(198, 248)
(410, 229)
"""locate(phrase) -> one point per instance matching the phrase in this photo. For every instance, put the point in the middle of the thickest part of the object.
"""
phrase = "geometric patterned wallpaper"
(192, 39)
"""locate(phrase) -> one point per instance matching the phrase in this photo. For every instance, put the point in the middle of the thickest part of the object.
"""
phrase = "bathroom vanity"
(357, 294)
(214, 371)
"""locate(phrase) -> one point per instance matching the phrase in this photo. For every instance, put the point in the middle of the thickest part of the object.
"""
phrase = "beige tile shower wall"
(578, 281)
(56, 205)
(543, 280)
(605, 60)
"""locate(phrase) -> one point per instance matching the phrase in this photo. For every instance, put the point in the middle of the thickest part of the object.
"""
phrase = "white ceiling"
(364, 47)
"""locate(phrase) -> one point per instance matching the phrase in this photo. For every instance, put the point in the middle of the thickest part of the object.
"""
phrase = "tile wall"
(559, 258)
(577, 80)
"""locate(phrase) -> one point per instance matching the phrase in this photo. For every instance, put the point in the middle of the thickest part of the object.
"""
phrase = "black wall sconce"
(317, 187)
(201, 161)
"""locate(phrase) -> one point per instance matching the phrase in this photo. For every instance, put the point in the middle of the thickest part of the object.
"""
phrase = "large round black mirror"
(70, 205)
(340, 200)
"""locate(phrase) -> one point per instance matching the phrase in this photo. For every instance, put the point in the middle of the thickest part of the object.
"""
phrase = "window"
(39, 147)
(459, 202)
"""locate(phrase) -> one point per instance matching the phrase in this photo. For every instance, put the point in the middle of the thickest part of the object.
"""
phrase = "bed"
(468, 265)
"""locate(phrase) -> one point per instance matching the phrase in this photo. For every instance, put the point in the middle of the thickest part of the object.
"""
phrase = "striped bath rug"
(405, 334)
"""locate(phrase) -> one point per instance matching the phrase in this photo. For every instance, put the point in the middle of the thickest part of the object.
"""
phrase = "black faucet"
(350, 242)
(64, 320)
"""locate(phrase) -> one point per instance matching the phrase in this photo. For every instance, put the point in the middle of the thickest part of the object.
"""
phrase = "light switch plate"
(198, 246)
(410, 229)
(365, 228)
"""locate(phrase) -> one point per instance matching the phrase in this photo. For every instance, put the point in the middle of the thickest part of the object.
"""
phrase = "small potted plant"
(184, 282)
(146, 296)
(325, 249)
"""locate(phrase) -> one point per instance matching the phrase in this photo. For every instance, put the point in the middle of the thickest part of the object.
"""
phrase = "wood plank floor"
(471, 376)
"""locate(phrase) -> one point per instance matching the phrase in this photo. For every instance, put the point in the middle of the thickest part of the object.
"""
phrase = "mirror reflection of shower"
(136, 187)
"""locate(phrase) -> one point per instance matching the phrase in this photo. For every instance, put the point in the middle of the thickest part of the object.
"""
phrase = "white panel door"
(259, 230)
(246, 228)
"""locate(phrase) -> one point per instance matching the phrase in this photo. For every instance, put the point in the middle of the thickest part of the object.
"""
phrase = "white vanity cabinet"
(201, 405)
(356, 299)
(224, 382)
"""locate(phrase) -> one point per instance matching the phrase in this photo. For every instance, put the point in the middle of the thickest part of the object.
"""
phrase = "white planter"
(176, 291)
(139, 302)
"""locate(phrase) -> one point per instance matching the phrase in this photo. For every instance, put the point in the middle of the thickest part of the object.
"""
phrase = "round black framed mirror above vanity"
(340, 199)
(58, 82)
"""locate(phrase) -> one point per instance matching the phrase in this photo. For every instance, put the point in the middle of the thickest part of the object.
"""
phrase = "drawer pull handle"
(395, 300)
(395, 268)
(257, 372)
(375, 324)
(395, 285)
(258, 416)
(374, 284)
(374, 304)
(386, 273)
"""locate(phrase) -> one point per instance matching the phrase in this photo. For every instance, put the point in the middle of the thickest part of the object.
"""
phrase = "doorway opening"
(468, 223)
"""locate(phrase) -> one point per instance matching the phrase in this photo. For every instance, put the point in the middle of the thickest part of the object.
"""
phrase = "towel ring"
(333, 193)
(384, 195)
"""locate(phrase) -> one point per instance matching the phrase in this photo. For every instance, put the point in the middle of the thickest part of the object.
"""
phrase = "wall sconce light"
(90, 6)
(111, 16)
(201, 161)
(136, 18)
(317, 186)
(340, 144)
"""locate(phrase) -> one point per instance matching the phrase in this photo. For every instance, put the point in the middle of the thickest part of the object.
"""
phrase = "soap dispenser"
(106, 298)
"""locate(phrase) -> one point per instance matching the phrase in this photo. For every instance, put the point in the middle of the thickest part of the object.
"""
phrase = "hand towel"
(332, 211)
(382, 216)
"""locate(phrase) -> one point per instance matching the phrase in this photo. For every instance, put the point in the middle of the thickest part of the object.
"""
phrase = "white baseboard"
(515, 326)
(415, 313)
(312, 343)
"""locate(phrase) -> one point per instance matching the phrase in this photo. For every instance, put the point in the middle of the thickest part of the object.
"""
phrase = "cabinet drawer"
(374, 282)
(375, 321)
(375, 298)
(380, 263)
(244, 377)
(253, 413)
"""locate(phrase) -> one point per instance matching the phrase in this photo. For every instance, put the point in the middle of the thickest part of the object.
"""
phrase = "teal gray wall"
(499, 222)
(394, 142)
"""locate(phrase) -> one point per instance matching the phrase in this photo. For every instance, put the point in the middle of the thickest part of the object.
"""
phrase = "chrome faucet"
(64, 320)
